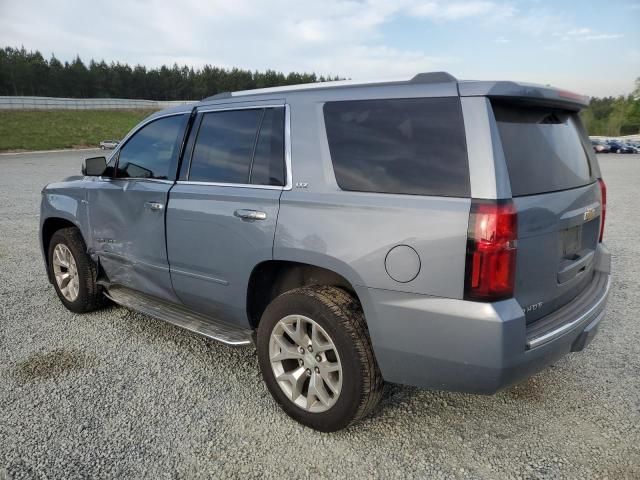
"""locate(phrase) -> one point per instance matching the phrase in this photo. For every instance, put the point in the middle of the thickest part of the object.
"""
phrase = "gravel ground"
(118, 394)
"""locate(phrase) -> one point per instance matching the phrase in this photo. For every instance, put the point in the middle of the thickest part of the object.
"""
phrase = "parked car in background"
(108, 144)
(600, 147)
(332, 227)
(618, 147)
(634, 146)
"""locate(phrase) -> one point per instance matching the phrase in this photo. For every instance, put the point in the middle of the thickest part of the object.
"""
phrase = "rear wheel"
(73, 272)
(316, 358)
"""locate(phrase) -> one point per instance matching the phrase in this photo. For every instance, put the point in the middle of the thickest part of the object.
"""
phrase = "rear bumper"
(457, 345)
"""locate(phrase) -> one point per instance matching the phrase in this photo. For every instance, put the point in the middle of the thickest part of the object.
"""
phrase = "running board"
(178, 315)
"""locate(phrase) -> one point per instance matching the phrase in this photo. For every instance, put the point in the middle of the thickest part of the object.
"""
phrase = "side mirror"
(94, 167)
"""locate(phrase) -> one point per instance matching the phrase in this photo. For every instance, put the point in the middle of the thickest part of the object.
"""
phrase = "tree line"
(25, 72)
(28, 73)
(614, 116)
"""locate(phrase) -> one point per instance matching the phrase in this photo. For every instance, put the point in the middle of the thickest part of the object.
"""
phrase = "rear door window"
(240, 147)
(224, 146)
(543, 148)
(408, 146)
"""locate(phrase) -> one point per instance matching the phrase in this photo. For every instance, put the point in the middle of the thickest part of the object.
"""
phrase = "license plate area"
(571, 240)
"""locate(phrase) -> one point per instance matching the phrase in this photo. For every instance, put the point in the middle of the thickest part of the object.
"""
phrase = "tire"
(89, 295)
(341, 321)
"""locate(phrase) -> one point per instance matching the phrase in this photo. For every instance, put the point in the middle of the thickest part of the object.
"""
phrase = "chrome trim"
(136, 179)
(547, 337)
(154, 206)
(287, 148)
(247, 214)
(239, 185)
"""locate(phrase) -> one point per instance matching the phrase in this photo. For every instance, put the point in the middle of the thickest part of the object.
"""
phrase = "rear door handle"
(250, 214)
(154, 206)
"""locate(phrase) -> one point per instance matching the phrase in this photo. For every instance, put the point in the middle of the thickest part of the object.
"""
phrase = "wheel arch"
(49, 227)
(274, 277)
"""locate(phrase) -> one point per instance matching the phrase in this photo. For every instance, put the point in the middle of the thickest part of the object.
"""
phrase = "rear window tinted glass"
(268, 162)
(411, 146)
(542, 148)
(224, 146)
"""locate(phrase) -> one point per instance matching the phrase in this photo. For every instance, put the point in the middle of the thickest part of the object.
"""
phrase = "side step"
(178, 315)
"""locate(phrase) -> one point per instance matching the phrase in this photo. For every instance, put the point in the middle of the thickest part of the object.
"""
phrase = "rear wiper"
(551, 119)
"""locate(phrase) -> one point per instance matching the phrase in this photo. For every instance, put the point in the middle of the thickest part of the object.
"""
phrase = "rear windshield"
(408, 146)
(542, 148)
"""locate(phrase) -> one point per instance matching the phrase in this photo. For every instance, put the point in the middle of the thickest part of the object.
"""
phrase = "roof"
(531, 93)
(421, 78)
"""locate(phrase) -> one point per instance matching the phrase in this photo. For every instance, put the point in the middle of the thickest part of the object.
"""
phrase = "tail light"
(491, 250)
(603, 205)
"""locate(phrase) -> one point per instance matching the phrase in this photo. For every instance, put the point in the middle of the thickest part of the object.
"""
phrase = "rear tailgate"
(555, 190)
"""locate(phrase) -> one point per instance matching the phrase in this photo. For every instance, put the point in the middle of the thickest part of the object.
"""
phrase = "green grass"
(24, 130)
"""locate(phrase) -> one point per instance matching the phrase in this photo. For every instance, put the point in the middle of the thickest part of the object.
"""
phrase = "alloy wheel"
(305, 363)
(66, 272)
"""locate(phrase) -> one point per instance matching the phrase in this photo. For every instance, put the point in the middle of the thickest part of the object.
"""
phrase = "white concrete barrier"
(54, 103)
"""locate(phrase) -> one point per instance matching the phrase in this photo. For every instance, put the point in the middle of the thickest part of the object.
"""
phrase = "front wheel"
(73, 272)
(316, 357)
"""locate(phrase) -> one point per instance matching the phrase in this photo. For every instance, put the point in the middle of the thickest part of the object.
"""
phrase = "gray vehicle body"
(196, 252)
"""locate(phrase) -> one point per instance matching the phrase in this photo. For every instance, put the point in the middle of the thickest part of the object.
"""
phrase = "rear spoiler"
(524, 93)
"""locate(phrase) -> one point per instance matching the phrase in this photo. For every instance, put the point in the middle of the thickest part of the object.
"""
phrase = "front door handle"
(250, 214)
(154, 206)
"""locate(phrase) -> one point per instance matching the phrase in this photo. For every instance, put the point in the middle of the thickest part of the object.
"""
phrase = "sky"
(591, 47)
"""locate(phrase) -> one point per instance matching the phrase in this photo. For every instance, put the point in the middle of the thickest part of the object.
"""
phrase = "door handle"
(154, 206)
(250, 214)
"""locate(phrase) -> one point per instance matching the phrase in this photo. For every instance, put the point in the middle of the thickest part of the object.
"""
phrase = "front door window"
(152, 150)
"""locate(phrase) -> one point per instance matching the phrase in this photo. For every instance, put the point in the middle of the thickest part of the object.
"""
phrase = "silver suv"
(432, 232)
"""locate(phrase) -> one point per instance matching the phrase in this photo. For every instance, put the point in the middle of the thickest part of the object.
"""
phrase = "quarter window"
(151, 152)
(411, 146)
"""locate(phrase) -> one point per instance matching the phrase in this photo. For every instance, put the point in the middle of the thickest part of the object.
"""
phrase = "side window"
(224, 146)
(151, 151)
(268, 162)
(409, 146)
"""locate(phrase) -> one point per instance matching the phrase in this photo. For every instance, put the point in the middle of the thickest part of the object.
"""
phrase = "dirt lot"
(118, 394)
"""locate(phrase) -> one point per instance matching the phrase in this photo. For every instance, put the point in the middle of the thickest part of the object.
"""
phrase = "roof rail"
(433, 77)
(218, 96)
(421, 78)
